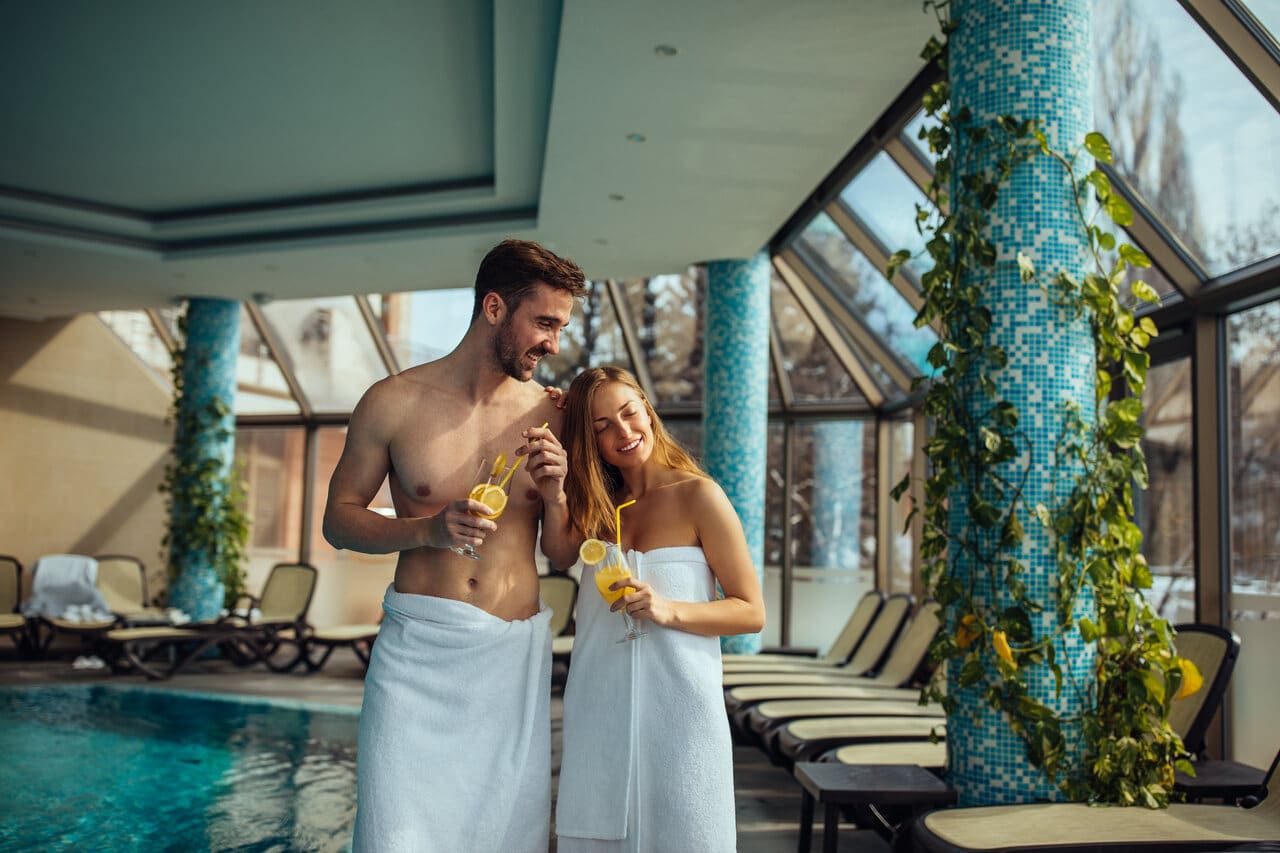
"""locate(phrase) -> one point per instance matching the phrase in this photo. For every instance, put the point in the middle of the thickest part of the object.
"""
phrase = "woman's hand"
(558, 398)
(643, 604)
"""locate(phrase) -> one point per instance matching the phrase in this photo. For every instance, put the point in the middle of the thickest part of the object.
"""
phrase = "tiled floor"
(768, 801)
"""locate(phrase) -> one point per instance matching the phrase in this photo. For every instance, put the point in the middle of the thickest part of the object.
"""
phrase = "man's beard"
(509, 358)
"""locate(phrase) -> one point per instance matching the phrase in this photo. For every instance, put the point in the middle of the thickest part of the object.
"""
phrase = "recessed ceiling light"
(615, 197)
(635, 137)
(665, 50)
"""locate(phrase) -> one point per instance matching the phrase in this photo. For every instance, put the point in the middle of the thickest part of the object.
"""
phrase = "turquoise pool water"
(108, 768)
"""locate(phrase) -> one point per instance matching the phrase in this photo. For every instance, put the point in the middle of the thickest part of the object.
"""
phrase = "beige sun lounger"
(840, 652)
(12, 623)
(1080, 828)
(879, 640)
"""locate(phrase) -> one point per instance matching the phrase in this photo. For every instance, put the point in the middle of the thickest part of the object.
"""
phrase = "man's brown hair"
(513, 267)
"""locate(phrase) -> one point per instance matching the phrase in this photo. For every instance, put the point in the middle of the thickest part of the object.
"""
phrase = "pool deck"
(768, 799)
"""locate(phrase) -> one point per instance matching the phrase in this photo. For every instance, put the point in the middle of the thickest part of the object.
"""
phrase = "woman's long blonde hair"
(592, 487)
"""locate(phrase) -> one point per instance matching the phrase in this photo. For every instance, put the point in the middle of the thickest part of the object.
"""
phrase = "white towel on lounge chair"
(455, 732)
(65, 586)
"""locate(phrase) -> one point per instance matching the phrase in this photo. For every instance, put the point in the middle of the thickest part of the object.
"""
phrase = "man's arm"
(548, 466)
(365, 462)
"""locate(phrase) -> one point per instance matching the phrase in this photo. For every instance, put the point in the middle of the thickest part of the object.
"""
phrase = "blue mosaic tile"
(209, 371)
(1028, 60)
(735, 407)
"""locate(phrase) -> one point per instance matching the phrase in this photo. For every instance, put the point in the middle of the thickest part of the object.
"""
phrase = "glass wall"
(1253, 341)
(351, 584)
(1165, 509)
(273, 464)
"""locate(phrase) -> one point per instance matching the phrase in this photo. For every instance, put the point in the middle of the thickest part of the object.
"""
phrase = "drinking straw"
(498, 465)
(519, 459)
(617, 520)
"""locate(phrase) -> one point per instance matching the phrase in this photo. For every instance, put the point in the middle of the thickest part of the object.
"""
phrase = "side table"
(836, 785)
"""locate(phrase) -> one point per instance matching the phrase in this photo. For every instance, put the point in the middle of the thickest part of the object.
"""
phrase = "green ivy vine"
(979, 458)
(214, 520)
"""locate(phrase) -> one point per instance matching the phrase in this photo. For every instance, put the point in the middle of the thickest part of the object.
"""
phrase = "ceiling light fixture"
(615, 197)
(665, 50)
(635, 137)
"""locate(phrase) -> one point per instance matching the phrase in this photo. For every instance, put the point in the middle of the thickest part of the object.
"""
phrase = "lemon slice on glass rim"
(592, 551)
(491, 496)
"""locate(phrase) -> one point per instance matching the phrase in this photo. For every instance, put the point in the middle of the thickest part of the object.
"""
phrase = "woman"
(648, 762)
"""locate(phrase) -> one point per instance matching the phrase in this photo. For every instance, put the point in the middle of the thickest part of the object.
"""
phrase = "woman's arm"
(741, 611)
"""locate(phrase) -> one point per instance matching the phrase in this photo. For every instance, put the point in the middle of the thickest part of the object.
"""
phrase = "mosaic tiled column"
(209, 371)
(837, 495)
(735, 406)
(1030, 60)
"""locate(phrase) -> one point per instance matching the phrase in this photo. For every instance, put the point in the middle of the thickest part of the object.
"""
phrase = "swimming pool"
(124, 768)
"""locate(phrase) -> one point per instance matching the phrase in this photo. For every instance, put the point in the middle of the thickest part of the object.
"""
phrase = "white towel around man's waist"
(455, 731)
(66, 586)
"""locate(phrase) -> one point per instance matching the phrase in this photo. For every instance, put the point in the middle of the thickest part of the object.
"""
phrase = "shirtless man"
(454, 750)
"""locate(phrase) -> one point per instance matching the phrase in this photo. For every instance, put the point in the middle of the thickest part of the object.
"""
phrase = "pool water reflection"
(109, 768)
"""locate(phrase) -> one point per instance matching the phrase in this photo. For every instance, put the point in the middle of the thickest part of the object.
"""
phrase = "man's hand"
(547, 464)
(458, 524)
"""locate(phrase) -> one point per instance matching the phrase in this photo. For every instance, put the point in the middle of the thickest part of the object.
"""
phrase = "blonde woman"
(648, 762)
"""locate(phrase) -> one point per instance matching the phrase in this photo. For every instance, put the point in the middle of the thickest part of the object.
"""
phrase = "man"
(454, 749)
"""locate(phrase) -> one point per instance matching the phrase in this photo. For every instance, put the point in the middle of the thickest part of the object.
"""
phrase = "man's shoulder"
(540, 404)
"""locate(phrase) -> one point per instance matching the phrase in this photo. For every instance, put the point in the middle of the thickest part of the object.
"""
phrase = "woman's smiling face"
(624, 432)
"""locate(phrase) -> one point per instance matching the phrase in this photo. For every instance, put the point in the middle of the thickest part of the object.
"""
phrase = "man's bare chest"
(444, 464)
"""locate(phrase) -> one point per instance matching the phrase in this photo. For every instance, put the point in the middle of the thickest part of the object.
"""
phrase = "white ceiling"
(154, 149)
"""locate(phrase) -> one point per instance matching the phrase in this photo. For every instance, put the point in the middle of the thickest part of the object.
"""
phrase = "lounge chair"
(254, 633)
(122, 580)
(1214, 651)
(560, 593)
(319, 643)
(12, 623)
(922, 753)
(839, 653)
(790, 740)
(275, 619)
(896, 680)
(61, 584)
(1080, 828)
(876, 643)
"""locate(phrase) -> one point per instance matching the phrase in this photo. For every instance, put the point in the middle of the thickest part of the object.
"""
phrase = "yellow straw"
(617, 520)
(519, 459)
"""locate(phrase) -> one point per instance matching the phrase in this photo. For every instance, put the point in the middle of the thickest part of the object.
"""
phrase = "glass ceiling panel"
(423, 325)
(169, 318)
(260, 385)
(879, 375)
(815, 373)
(667, 312)
(135, 329)
(1190, 133)
(775, 395)
(1268, 14)
(328, 348)
(868, 294)
(593, 338)
(884, 198)
(912, 134)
